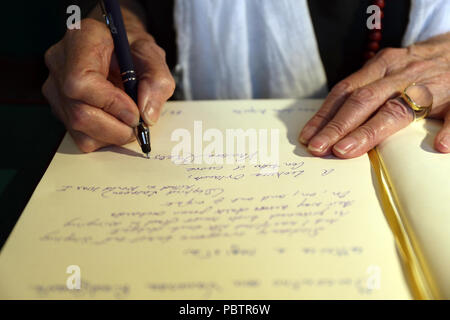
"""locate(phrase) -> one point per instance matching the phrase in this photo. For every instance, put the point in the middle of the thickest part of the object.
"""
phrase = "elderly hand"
(85, 90)
(362, 110)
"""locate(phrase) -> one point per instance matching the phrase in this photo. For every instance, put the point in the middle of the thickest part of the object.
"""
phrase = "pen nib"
(148, 157)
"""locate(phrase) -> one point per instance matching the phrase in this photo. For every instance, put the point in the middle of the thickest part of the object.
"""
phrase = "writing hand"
(85, 91)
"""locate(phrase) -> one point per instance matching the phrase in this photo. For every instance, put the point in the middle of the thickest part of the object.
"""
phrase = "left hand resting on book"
(362, 110)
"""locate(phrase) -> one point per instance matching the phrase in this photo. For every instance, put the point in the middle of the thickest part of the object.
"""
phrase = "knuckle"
(86, 144)
(419, 66)
(163, 84)
(91, 26)
(337, 127)
(160, 51)
(167, 84)
(386, 57)
(144, 46)
(389, 53)
(394, 110)
(361, 98)
(385, 53)
(49, 56)
(369, 133)
(79, 118)
(322, 116)
(342, 88)
(148, 49)
(364, 95)
(72, 86)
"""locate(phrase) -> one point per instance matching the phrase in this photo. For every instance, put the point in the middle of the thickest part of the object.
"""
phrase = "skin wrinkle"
(423, 63)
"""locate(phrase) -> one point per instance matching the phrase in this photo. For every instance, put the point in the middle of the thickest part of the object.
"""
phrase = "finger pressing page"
(390, 118)
(361, 104)
(442, 139)
(370, 72)
(98, 125)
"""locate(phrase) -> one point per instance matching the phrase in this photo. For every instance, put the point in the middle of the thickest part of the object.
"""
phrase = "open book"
(210, 216)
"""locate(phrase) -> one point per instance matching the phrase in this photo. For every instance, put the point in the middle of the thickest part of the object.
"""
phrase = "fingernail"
(306, 134)
(150, 116)
(445, 142)
(129, 118)
(318, 144)
(345, 145)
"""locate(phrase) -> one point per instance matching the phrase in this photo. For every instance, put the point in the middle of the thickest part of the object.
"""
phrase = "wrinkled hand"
(362, 110)
(85, 91)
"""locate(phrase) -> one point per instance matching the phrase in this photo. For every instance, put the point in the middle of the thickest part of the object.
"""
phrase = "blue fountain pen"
(114, 20)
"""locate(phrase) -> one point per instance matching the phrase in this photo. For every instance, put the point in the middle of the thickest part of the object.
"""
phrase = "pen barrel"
(114, 20)
(130, 85)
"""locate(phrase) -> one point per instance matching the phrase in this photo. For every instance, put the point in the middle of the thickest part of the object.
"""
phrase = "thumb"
(156, 84)
(442, 139)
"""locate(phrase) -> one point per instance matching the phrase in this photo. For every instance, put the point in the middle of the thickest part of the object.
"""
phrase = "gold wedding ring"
(419, 98)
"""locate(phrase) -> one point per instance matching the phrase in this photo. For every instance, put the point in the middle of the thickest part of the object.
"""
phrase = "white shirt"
(249, 49)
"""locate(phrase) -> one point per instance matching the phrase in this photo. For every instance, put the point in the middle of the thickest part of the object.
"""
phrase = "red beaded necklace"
(374, 36)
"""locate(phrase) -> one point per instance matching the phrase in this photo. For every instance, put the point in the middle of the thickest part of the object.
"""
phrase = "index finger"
(373, 70)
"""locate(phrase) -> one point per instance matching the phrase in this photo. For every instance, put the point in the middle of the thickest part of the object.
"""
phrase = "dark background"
(30, 134)
(29, 28)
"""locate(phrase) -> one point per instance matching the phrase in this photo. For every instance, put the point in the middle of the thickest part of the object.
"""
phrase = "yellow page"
(123, 226)
(420, 178)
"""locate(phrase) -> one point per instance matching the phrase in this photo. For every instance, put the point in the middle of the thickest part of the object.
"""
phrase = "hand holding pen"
(85, 88)
(113, 18)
